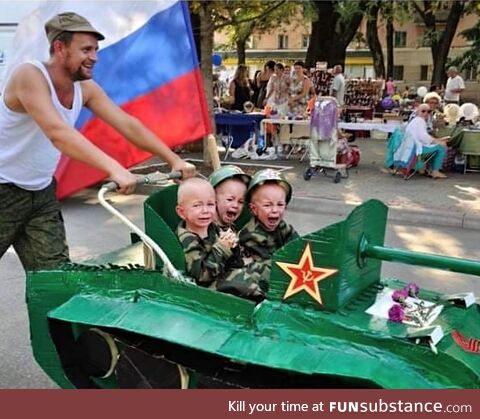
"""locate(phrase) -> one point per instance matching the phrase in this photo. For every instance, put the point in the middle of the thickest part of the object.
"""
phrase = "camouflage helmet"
(228, 172)
(269, 176)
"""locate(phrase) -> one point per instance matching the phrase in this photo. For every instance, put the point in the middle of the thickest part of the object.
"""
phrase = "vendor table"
(300, 129)
(354, 126)
(238, 126)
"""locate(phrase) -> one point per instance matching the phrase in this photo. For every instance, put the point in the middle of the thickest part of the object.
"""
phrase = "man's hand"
(187, 169)
(125, 180)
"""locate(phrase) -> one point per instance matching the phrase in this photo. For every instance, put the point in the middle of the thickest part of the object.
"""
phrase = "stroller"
(325, 156)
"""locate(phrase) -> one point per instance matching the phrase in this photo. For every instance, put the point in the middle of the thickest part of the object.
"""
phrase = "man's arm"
(130, 127)
(460, 86)
(29, 91)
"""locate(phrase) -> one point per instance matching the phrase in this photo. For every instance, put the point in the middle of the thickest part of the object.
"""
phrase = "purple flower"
(399, 296)
(412, 289)
(396, 313)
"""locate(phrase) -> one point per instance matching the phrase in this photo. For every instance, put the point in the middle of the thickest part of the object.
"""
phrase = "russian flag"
(147, 65)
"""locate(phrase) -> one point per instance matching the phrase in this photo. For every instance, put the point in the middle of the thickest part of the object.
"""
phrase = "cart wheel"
(307, 175)
(97, 353)
(338, 177)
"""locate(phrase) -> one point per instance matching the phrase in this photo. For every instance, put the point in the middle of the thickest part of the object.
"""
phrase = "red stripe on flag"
(174, 112)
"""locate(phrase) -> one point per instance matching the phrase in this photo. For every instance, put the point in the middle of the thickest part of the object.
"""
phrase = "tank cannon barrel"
(466, 266)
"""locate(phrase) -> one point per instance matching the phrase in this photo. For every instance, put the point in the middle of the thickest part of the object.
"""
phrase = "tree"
(258, 17)
(373, 41)
(335, 25)
(471, 58)
(214, 15)
(439, 41)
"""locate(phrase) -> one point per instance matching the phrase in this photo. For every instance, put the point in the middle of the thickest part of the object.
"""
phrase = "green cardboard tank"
(125, 326)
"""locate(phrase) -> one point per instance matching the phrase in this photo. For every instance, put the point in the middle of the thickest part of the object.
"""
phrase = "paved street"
(92, 231)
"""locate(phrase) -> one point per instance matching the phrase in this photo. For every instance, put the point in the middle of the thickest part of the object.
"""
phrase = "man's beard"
(79, 76)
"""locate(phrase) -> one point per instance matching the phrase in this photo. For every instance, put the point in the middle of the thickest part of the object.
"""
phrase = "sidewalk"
(450, 202)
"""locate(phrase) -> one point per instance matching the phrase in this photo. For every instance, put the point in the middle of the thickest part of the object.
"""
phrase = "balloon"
(387, 103)
(397, 98)
(422, 91)
(469, 111)
(216, 59)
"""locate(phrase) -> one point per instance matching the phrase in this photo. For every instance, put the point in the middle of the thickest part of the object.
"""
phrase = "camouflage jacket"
(207, 260)
(261, 244)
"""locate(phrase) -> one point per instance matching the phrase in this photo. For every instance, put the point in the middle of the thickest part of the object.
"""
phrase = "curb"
(457, 219)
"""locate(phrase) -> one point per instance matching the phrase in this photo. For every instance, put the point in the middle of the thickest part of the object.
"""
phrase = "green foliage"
(242, 18)
(429, 38)
(471, 58)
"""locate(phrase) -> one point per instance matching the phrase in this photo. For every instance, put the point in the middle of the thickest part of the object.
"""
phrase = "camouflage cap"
(269, 176)
(69, 22)
(228, 172)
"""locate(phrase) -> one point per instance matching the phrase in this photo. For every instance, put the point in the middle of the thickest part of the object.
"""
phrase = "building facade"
(413, 62)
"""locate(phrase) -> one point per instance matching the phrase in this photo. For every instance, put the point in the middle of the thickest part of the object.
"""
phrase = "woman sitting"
(417, 141)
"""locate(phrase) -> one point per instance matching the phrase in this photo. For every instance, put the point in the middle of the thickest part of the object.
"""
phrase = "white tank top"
(28, 158)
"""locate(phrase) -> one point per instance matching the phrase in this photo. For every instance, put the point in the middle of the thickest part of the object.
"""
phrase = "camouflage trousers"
(31, 221)
(254, 273)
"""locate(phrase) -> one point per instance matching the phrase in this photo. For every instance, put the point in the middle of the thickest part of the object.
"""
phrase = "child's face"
(198, 209)
(268, 205)
(230, 199)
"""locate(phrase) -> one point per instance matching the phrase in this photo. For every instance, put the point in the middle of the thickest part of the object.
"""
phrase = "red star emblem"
(305, 276)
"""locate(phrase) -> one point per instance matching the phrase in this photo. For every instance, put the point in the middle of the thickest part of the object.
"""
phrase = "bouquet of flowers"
(408, 308)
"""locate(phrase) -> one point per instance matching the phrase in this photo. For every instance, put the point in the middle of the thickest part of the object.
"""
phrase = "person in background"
(39, 106)
(254, 87)
(418, 141)
(338, 85)
(299, 87)
(454, 87)
(239, 88)
(406, 92)
(262, 82)
(433, 100)
(390, 87)
(277, 90)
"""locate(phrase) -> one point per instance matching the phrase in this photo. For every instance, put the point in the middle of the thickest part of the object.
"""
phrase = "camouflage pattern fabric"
(259, 245)
(32, 222)
(207, 260)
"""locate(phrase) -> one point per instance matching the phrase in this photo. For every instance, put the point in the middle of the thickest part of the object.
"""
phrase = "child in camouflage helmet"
(268, 196)
(230, 184)
(207, 248)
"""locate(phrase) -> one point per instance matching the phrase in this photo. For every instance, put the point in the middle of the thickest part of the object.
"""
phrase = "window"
(282, 41)
(305, 41)
(250, 43)
(424, 72)
(398, 72)
(400, 39)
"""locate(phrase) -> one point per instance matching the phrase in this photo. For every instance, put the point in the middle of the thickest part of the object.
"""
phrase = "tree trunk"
(206, 48)
(331, 35)
(374, 43)
(441, 47)
(240, 44)
(390, 62)
(322, 31)
(196, 23)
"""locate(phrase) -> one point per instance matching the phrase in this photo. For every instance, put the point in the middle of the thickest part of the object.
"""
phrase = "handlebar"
(147, 179)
